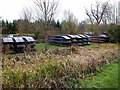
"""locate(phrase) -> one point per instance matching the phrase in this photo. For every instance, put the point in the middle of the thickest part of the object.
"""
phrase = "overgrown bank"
(53, 68)
(107, 77)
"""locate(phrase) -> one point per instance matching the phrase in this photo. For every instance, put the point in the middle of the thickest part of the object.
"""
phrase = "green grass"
(108, 78)
(41, 46)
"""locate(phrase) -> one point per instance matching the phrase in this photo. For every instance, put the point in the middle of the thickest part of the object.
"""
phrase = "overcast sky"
(11, 9)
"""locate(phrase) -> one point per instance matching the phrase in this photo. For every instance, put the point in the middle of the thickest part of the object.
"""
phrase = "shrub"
(114, 33)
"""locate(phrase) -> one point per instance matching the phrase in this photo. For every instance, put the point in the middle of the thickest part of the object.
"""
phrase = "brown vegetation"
(51, 68)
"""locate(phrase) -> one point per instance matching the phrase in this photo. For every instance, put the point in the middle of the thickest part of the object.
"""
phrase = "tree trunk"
(46, 44)
(46, 37)
(46, 27)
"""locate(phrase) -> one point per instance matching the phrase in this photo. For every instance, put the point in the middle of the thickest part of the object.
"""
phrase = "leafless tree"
(70, 23)
(26, 14)
(25, 27)
(110, 14)
(97, 12)
(46, 10)
(24, 24)
(100, 13)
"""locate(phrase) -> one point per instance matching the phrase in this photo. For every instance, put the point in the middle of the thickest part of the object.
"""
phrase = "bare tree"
(109, 15)
(97, 12)
(26, 14)
(25, 27)
(46, 10)
(24, 24)
(100, 13)
(70, 23)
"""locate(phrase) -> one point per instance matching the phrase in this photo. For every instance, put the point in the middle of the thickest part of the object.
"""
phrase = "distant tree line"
(21, 26)
(101, 18)
(56, 27)
(9, 27)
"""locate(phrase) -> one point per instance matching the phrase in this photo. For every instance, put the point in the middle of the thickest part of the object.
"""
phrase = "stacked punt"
(99, 38)
(60, 40)
(17, 44)
(68, 40)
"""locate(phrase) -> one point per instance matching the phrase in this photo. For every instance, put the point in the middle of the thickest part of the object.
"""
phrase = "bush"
(114, 33)
(37, 34)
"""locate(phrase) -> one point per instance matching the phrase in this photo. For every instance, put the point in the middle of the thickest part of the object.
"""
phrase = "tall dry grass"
(51, 69)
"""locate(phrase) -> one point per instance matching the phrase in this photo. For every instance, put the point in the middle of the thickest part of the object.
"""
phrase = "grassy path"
(108, 78)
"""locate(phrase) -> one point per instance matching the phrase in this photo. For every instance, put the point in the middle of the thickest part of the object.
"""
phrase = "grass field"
(41, 46)
(107, 78)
